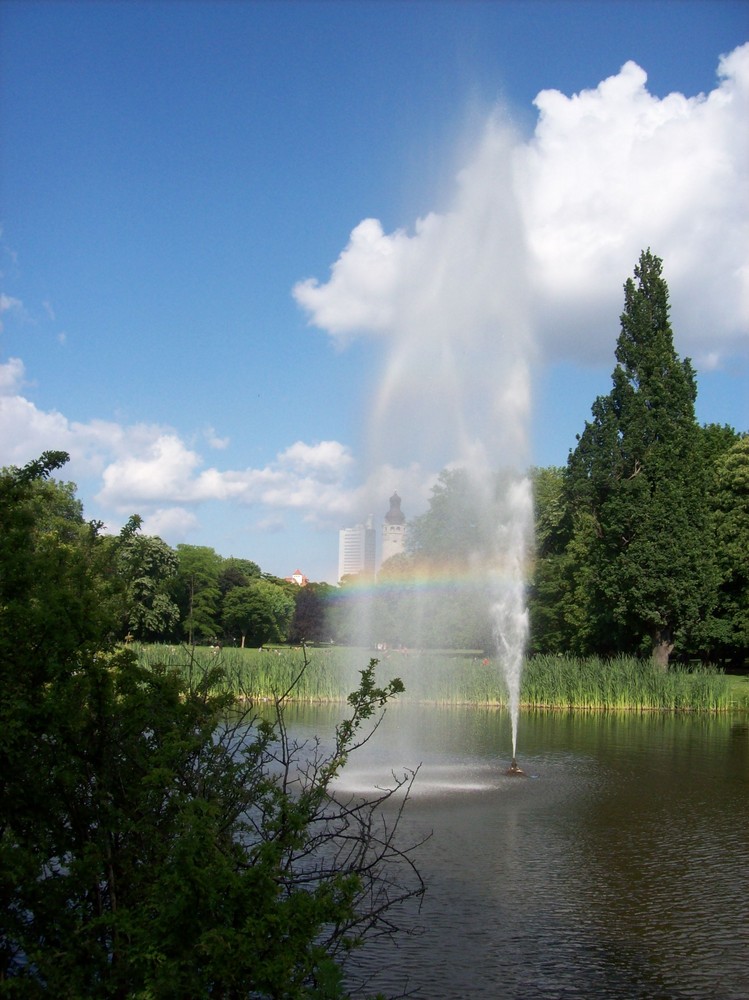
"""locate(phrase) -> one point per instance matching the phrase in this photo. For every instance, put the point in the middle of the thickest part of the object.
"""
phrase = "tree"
(279, 598)
(260, 610)
(450, 544)
(237, 573)
(145, 565)
(196, 591)
(348, 611)
(731, 512)
(457, 524)
(154, 840)
(638, 487)
(310, 620)
(549, 582)
(170, 849)
(53, 599)
(260, 613)
(396, 612)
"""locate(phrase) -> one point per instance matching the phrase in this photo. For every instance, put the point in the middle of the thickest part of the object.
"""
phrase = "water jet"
(453, 300)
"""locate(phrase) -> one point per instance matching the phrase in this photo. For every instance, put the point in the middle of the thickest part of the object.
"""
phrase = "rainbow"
(434, 579)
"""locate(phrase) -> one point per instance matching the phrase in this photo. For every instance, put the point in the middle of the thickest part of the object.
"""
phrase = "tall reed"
(621, 683)
(257, 675)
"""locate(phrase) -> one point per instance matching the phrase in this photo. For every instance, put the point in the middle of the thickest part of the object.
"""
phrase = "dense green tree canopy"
(549, 577)
(54, 595)
(145, 565)
(260, 612)
(237, 573)
(638, 489)
(731, 510)
(457, 523)
(197, 592)
(311, 621)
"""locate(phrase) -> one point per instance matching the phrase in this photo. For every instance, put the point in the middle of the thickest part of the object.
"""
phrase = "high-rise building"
(357, 550)
(393, 530)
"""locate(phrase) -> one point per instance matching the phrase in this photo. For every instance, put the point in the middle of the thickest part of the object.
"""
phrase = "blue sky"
(260, 260)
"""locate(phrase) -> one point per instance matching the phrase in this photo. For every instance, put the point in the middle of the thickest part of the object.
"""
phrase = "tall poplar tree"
(638, 488)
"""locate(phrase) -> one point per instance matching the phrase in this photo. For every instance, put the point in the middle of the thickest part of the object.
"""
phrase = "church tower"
(393, 530)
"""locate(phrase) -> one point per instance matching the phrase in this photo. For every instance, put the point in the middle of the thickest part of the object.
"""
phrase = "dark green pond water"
(618, 868)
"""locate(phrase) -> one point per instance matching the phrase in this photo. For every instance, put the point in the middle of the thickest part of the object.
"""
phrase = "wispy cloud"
(214, 440)
(8, 304)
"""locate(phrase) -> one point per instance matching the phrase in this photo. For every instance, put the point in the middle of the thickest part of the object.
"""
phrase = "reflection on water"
(618, 868)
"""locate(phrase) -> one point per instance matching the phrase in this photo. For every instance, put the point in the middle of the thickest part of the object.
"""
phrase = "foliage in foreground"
(168, 848)
(155, 842)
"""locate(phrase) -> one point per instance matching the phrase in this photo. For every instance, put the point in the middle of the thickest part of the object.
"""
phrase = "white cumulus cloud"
(613, 170)
(361, 292)
(150, 469)
(328, 460)
(607, 172)
(174, 523)
(11, 376)
(163, 472)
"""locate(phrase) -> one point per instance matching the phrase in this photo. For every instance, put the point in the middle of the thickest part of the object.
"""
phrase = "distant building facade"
(298, 578)
(393, 530)
(357, 546)
(357, 550)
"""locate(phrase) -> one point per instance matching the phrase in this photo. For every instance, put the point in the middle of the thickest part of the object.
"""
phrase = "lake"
(619, 867)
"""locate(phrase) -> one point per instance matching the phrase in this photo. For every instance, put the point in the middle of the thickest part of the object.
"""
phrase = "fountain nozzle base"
(514, 771)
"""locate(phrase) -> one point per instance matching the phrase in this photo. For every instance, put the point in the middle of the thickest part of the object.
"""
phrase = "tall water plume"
(455, 390)
(451, 302)
(509, 611)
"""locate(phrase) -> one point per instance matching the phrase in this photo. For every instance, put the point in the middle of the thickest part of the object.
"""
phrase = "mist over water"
(455, 390)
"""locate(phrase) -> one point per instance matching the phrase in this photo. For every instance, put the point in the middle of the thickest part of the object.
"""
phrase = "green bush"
(158, 839)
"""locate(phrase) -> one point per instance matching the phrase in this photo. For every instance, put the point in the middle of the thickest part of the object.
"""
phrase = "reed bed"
(255, 675)
(551, 682)
(622, 683)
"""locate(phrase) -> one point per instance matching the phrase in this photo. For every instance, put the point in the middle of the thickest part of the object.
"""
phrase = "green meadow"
(449, 678)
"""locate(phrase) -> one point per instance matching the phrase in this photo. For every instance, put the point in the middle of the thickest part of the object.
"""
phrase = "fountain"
(460, 359)
(455, 391)
(510, 613)
(514, 771)
(450, 302)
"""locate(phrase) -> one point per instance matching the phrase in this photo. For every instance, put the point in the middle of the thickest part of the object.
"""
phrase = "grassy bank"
(447, 678)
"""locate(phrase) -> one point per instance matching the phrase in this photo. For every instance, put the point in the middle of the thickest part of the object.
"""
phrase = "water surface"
(618, 868)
